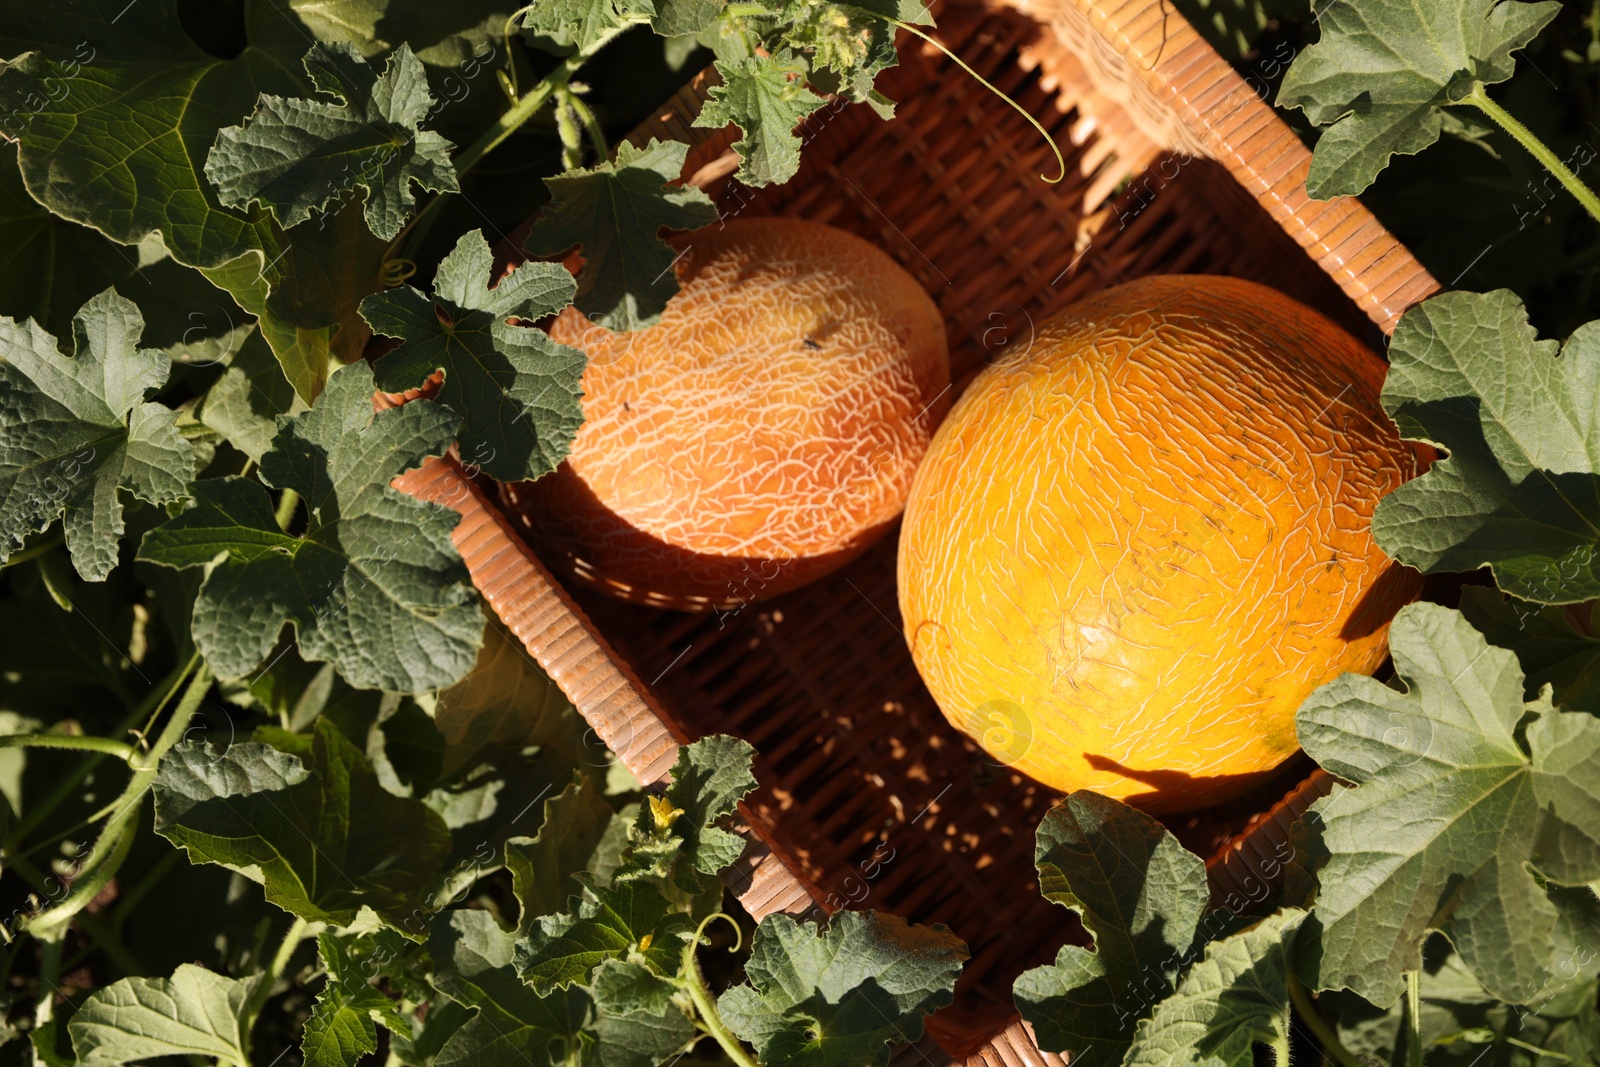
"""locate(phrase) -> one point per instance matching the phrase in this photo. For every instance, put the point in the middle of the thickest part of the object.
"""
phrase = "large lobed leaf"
(766, 99)
(629, 921)
(516, 1027)
(194, 1013)
(615, 212)
(1470, 812)
(1237, 996)
(709, 778)
(295, 154)
(843, 995)
(1555, 646)
(122, 151)
(75, 430)
(343, 1023)
(648, 913)
(50, 267)
(583, 24)
(1520, 489)
(323, 837)
(443, 35)
(542, 867)
(519, 390)
(1141, 894)
(1384, 70)
(374, 585)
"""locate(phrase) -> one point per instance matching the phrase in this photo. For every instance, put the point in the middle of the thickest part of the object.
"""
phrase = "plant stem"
(527, 106)
(106, 937)
(280, 963)
(77, 741)
(522, 109)
(111, 848)
(979, 78)
(597, 136)
(157, 697)
(710, 1019)
(1479, 98)
(166, 697)
(1536, 1049)
(287, 503)
(1300, 997)
(1280, 1048)
(1414, 1018)
(567, 129)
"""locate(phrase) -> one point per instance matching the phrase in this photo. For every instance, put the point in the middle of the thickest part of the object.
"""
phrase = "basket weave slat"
(1144, 54)
(575, 655)
(1243, 872)
(868, 797)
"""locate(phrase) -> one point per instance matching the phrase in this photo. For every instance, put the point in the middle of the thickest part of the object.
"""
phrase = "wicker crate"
(868, 797)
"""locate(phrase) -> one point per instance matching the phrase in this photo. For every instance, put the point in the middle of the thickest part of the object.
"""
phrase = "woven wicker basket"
(869, 799)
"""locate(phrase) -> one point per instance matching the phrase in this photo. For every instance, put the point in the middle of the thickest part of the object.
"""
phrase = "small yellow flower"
(663, 812)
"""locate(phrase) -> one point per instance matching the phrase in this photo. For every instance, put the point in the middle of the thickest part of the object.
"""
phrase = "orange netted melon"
(1134, 549)
(762, 434)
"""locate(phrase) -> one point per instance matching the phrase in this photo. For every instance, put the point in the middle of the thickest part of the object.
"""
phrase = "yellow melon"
(762, 434)
(1135, 548)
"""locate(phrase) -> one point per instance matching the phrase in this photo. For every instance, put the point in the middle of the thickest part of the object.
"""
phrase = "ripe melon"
(762, 434)
(1134, 549)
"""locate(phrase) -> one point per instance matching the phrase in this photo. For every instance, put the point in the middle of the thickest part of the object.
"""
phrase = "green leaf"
(680, 18)
(324, 838)
(374, 585)
(513, 1025)
(844, 995)
(1141, 894)
(848, 46)
(709, 778)
(75, 430)
(758, 94)
(1520, 491)
(443, 35)
(516, 1027)
(494, 802)
(1555, 646)
(616, 212)
(575, 822)
(122, 152)
(420, 1047)
(1456, 822)
(244, 403)
(306, 294)
(195, 1012)
(582, 24)
(294, 154)
(1237, 996)
(624, 987)
(1383, 69)
(342, 1027)
(507, 701)
(519, 389)
(50, 267)
(630, 920)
